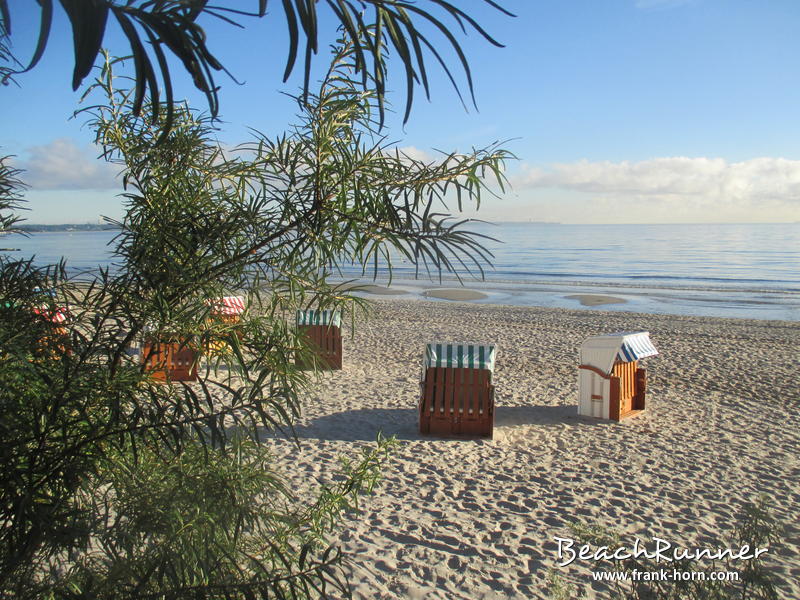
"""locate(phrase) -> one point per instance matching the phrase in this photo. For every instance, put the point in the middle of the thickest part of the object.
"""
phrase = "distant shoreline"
(35, 228)
(747, 272)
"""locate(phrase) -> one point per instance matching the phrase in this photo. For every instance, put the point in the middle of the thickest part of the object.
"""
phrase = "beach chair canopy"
(454, 355)
(45, 292)
(603, 350)
(319, 317)
(57, 314)
(227, 305)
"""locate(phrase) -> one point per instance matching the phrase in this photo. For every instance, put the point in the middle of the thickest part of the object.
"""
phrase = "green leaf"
(88, 19)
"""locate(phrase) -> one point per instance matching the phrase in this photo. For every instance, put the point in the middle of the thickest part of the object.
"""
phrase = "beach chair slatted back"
(457, 395)
(323, 333)
(628, 387)
(169, 361)
(626, 372)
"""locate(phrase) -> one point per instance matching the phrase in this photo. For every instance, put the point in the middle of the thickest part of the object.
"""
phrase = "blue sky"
(619, 110)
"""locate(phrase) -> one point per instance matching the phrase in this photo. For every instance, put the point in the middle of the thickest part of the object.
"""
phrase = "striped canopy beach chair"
(228, 309)
(457, 393)
(322, 330)
(55, 314)
(58, 316)
(611, 383)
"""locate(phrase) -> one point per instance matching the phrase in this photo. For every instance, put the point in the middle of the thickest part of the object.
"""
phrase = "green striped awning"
(473, 356)
(319, 317)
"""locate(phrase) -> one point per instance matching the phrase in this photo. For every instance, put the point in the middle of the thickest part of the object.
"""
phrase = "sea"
(718, 270)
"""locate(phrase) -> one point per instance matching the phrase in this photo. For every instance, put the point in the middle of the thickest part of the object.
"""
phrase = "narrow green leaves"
(172, 27)
(88, 20)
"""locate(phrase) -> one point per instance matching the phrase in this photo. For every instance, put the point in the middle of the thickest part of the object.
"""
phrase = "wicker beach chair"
(457, 393)
(322, 330)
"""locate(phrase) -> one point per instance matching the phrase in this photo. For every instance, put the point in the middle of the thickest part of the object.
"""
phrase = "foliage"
(755, 528)
(10, 194)
(557, 589)
(117, 486)
(172, 27)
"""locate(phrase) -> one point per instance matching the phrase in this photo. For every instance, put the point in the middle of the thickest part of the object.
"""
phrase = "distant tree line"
(38, 228)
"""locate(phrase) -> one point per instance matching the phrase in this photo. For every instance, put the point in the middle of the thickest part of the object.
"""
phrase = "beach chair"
(49, 292)
(611, 384)
(57, 340)
(457, 393)
(227, 309)
(322, 330)
(169, 360)
(54, 314)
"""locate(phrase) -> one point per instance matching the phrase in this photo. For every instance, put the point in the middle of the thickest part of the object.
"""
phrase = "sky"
(618, 111)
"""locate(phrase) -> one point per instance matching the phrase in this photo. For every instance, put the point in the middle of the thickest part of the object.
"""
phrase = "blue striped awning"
(471, 356)
(45, 292)
(602, 350)
(319, 317)
(635, 346)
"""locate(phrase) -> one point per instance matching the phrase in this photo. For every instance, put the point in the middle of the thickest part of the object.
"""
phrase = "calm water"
(736, 270)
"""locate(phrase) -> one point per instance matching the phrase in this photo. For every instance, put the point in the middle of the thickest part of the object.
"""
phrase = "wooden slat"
(448, 393)
(613, 399)
(456, 401)
(626, 373)
(469, 393)
(641, 389)
(427, 401)
(169, 361)
(326, 341)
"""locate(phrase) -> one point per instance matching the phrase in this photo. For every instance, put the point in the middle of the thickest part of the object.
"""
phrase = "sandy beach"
(477, 518)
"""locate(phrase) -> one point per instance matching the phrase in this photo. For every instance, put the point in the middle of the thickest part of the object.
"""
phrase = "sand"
(595, 299)
(380, 290)
(476, 518)
(456, 295)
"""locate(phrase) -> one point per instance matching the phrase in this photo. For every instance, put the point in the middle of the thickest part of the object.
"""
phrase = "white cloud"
(415, 153)
(62, 165)
(695, 180)
(660, 190)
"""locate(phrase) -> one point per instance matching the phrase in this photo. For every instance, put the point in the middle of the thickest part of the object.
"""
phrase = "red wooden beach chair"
(169, 361)
(457, 394)
(322, 330)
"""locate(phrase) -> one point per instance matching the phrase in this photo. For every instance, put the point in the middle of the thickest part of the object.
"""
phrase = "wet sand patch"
(596, 299)
(379, 290)
(455, 295)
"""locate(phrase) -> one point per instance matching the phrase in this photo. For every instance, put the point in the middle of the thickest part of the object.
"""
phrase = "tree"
(10, 194)
(85, 429)
(172, 26)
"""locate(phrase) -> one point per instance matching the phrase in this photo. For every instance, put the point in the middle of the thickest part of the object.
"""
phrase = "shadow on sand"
(402, 423)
